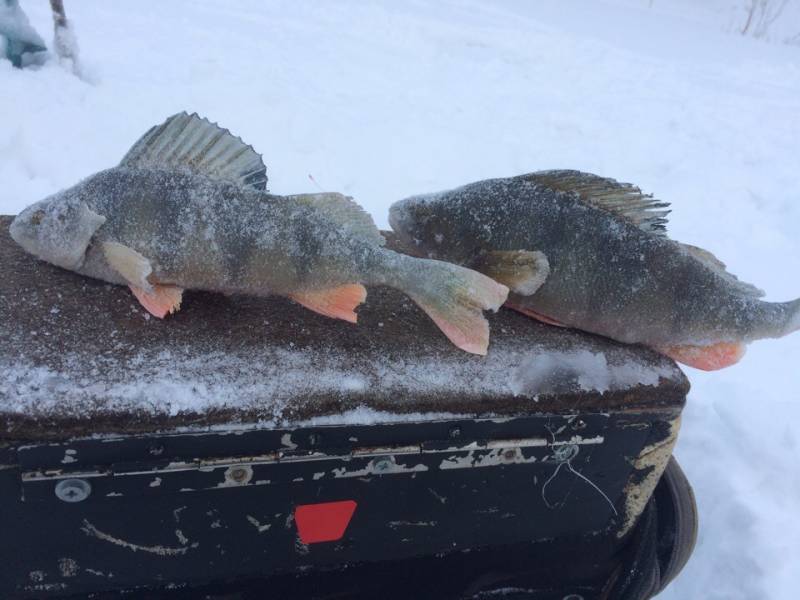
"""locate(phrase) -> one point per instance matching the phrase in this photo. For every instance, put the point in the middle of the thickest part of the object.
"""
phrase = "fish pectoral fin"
(338, 302)
(707, 358)
(533, 314)
(522, 271)
(160, 300)
(126, 261)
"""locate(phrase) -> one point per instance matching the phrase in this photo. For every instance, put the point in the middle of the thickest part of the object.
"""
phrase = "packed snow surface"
(383, 100)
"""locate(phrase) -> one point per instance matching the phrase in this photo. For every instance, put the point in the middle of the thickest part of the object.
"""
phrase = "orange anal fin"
(339, 302)
(161, 301)
(530, 313)
(707, 358)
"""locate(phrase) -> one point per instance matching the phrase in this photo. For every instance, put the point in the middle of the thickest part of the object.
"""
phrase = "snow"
(563, 372)
(383, 100)
(275, 380)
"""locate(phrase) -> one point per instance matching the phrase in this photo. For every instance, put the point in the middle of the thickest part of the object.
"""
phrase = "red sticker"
(324, 522)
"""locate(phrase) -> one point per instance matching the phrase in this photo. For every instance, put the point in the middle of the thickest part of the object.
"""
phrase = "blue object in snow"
(17, 37)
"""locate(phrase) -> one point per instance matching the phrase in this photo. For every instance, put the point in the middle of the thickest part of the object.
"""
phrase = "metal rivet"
(156, 449)
(73, 490)
(238, 474)
(579, 425)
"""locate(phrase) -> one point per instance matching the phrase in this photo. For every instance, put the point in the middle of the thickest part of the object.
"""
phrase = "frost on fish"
(187, 208)
(611, 268)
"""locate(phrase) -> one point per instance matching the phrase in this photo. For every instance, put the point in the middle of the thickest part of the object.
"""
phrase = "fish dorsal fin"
(716, 265)
(622, 199)
(344, 211)
(192, 142)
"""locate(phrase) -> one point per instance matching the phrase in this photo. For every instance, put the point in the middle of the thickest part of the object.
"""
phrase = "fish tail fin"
(455, 298)
(793, 320)
(774, 320)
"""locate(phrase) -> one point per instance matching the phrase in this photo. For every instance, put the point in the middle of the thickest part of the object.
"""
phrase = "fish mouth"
(400, 221)
(17, 230)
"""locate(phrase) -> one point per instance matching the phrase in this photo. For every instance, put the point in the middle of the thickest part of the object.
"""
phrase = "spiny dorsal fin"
(716, 265)
(345, 212)
(195, 143)
(622, 199)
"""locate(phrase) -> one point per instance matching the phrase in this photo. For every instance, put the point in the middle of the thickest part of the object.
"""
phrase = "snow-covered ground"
(385, 99)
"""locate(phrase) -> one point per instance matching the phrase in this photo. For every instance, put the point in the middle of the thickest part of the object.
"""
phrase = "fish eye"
(37, 217)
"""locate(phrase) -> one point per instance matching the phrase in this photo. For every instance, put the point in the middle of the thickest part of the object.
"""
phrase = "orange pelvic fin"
(708, 358)
(161, 300)
(339, 302)
(530, 313)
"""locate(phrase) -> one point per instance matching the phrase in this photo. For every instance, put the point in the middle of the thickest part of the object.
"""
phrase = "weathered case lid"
(81, 357)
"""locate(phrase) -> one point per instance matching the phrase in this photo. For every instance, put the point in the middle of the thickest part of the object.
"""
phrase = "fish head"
(423, 225)
(57, 229)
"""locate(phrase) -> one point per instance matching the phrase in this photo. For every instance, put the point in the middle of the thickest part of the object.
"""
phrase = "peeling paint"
(498, 456)
(439, 497)
(653, 459)
(156, 482)
(319, 475)
(300, 547)
(109, 575)
(286, 441)
(69, 456)
(46, 587)
(68, 567)
(396, 524)
(92, 531)
(257, 524)
(181, 538)
(37, 576)
(386, 466)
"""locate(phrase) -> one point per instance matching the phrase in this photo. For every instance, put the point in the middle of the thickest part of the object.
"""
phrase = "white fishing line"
(568, 462)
